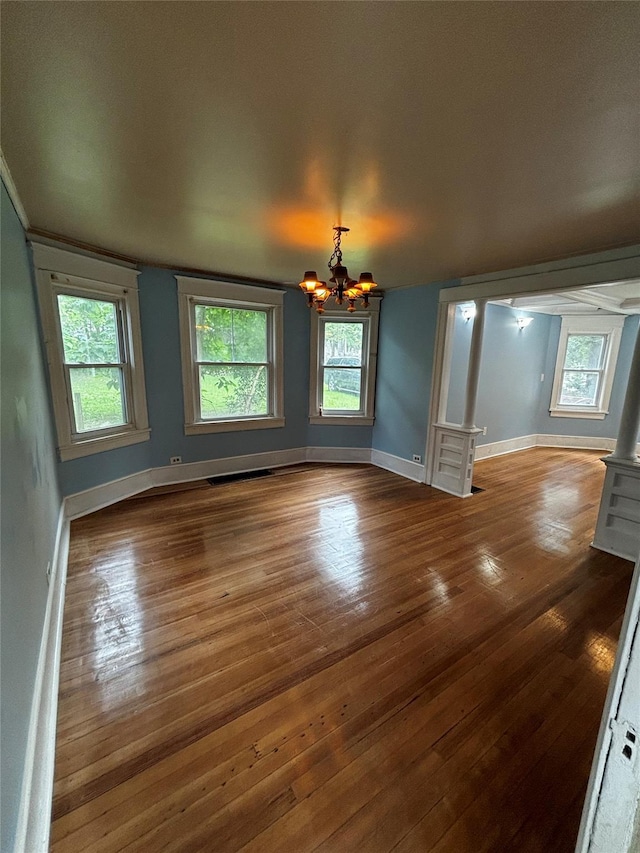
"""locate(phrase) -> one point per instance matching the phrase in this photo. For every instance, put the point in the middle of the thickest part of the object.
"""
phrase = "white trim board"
(524, 442)
(170, 475)
(34, 816)
(397, 465)
(611, 705)
(12, 190)
(612, 265)
(342, 455)
(99, 497)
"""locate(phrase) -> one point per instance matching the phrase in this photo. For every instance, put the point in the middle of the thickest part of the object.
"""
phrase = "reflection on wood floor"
(334, 658)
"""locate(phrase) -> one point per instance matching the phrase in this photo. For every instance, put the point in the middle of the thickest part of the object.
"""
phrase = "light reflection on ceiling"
(453, 138)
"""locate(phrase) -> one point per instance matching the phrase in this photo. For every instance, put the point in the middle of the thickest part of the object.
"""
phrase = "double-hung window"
(91, 324)
(585, 366)
(343, 365)
(231, 339)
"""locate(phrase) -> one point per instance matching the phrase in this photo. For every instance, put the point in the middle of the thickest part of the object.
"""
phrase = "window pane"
(233, 391)
(98, 399)
(89, 330)
(230, 334)
(343, 344)
(585, 352)
(579, 388)
(341, 388)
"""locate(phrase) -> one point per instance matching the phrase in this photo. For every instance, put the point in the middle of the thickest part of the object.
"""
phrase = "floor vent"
(235, 478)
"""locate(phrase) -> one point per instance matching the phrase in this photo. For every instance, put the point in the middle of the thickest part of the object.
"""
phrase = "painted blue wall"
(161, 344)
(30, 505)
(163, 378)
(405, 363)
(607, 428)
(512, 401)
(509, 385)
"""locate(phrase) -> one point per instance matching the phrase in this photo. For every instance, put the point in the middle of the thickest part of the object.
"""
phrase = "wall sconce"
(523, 322)
(468, 311)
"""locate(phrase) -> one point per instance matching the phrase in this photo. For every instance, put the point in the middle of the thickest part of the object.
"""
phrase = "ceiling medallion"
(343, 287)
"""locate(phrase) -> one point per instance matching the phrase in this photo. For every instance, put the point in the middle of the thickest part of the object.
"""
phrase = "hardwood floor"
(337, 659)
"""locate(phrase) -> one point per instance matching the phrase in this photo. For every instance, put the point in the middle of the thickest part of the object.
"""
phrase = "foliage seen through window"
(91, 337)
(232, 361)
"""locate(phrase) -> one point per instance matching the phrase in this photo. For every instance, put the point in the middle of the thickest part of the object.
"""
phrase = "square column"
(454, 453)
(618, 526)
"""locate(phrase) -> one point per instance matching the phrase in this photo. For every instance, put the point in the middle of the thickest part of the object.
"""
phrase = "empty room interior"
(320, 426)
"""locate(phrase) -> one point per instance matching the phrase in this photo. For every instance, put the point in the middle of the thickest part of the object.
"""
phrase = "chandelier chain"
(336, 257)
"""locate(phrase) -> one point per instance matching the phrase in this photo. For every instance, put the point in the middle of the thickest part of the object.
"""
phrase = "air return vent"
(235, 478)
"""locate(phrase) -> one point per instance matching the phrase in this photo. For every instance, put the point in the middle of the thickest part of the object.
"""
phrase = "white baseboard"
(509, 445)
(405, 468)
(339, 454)
(188, 471)
(577, 442)
(98, 497)
(34, 817)
(523, 442)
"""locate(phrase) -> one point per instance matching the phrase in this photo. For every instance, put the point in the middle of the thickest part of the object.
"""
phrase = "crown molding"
(13, 191)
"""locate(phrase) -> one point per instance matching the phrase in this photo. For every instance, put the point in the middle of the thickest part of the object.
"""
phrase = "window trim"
(609, 325)
(371, 316)
(61, 271)
(229, 295)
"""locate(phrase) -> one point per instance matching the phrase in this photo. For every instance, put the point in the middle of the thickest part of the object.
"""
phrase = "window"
(343, 365)
(91, 324)
(585, 366)
(231, 337)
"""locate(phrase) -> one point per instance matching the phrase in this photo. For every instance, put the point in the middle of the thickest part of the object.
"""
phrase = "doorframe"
(606, 740)
(613, 265)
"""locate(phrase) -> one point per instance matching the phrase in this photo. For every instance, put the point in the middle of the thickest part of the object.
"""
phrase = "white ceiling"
(611, 298)
(452, 138)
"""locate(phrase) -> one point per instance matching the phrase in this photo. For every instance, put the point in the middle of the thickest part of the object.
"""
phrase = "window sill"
(105, 442)
(202, 427)
(577, 413)
(341, 420)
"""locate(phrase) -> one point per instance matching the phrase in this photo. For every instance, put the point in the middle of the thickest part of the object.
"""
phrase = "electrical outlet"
(542, 377)
(484, 430)
(49, 572)
(175, 460)
(417, 457)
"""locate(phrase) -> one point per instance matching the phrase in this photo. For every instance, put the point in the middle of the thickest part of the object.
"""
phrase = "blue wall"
(512, 401)
(405, 363)
(163, 378)
(512, 362)
(30, 508)
(607, 428)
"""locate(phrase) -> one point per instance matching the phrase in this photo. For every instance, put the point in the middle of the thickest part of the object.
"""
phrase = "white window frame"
(370, 317)
(60, 271)
(608, 325)
(192, 291)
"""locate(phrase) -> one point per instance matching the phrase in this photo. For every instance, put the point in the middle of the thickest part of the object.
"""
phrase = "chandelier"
(343, 287)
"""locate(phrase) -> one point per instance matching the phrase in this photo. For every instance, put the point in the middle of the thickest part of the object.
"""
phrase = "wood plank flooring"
(337, 659)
